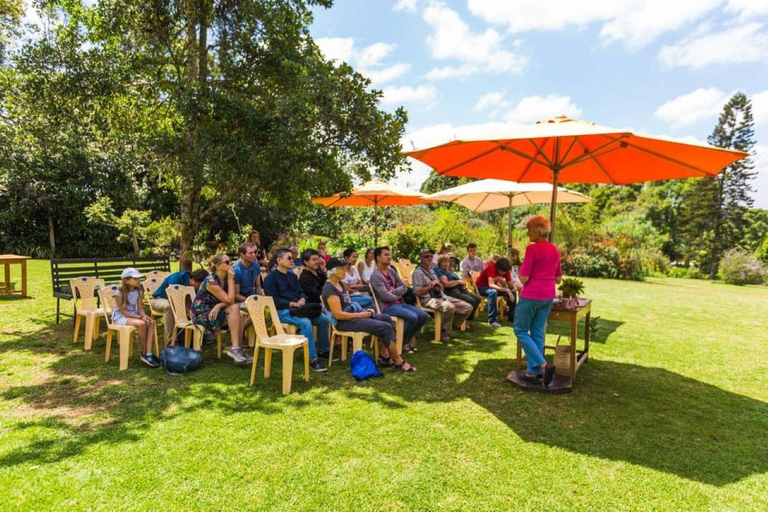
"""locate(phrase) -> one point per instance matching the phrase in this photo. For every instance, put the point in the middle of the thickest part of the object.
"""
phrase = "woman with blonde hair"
(215, 305)
(539, 273)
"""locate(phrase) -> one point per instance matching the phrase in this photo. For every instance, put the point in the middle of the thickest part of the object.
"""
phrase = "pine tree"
(713, 212)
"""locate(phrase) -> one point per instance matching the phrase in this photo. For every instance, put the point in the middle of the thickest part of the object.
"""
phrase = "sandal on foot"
(385, 361)
(408, 349)
(401, 367)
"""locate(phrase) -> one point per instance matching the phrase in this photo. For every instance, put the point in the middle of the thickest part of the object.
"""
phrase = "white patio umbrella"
(490, 194)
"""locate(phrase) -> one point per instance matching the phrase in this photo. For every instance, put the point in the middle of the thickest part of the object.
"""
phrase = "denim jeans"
(365, 301)
(414, 317)
(530, 326)
(493, 310)
(305, 327)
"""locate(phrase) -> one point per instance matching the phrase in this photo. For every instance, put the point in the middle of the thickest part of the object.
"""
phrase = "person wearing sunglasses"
(215, 306)
(292, 308)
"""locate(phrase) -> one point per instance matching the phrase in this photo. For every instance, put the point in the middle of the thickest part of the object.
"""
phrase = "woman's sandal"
(385, 361)
(401, 367)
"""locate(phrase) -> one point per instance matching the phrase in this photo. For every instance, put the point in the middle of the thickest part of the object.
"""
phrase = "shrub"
(686, 273)
(738, 267)
(406, 240)
(602, 259)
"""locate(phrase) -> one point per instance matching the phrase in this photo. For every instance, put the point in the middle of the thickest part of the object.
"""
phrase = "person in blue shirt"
(160, 297)
(247, 272)
(283, 286)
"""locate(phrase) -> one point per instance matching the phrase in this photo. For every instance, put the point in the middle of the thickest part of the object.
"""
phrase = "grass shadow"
(645, 416)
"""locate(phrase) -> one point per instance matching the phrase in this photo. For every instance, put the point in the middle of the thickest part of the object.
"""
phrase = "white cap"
(131, 272)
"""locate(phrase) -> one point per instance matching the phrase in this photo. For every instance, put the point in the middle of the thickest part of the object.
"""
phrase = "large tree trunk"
(135, 243)
(190, 216)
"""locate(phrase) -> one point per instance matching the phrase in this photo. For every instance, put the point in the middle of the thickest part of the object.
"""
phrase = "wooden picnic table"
(12, 259)
(571, 316)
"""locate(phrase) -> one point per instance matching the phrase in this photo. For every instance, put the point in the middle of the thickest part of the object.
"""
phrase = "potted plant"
(570, 288)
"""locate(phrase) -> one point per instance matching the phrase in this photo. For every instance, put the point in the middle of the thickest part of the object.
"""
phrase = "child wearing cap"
(129, 310)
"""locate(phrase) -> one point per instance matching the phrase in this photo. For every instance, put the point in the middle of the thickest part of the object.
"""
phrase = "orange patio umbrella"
(564, 150)
(374, 193)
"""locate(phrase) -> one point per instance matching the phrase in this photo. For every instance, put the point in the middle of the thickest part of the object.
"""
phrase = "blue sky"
(471, 67)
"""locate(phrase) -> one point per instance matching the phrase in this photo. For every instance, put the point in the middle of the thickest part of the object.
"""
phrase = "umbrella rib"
(465, 162)
(589, 153)
(597, 162)
(481, 202)
(520, 153)
(670, 159)
(530, 164)
(541, 151)
(565, 155)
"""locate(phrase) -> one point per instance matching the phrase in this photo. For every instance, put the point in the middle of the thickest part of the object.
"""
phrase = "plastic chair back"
(85, 289)
(108, 301)
(177, 299)
(157, 274)
(150, 285)
(257, 304)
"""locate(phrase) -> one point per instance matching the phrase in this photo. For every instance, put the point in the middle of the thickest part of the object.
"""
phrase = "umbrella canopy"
(485, 195)
(374, 193)
(564, 150)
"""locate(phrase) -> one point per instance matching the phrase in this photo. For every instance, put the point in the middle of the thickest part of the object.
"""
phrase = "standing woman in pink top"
(539, 273)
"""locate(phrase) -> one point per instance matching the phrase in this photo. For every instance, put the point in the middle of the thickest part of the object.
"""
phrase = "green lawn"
(671, 412)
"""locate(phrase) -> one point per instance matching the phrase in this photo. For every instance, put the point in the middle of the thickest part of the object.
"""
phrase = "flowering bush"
(602, 259)
(738, 267)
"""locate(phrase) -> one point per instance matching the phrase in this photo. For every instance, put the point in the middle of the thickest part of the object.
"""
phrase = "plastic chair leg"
(267, 362)
(109, 344)
(218, 344)
(357, 344)
(77, 328)
(330, 352)
(287, 370)
(197, 338)
(253, 365)
(124, 340)
(96, 327)
(186, 338)
(306, 362)
(438, 324)
(89, 321)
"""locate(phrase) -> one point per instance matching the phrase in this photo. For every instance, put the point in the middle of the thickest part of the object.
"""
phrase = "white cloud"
(535, 108)
(405, 94)
(743, 43)
(642, 25)
(336, 48)
(367, 61)
(760, 110)
(491, 99)
(633, 22)
(748, 8)
(451, 72)
(693, 107)
(451, 38)
(405, 5)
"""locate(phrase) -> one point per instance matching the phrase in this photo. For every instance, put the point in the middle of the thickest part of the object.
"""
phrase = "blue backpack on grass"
(362, 366)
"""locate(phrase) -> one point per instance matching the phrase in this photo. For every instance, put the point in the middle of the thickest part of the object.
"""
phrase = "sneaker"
(318, 366)
(150, 360)
(239, 355)
(326, 355)
(495, 325)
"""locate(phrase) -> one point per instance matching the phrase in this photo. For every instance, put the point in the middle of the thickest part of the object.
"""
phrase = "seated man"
(160, 297)
(496, 280)
(471, 263)
(390, 289)
(430, 293)
(247, 272)
(283, 286)
(312, 280)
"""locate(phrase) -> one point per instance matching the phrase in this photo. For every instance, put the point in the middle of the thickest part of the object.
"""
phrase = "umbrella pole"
(553, 205)
(376, 222)
(509, 230)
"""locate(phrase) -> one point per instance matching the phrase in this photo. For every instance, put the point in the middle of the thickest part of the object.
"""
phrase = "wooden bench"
(108, 269)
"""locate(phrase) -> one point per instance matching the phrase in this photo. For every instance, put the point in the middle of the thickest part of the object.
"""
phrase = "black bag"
(311, 310)
(178, 360)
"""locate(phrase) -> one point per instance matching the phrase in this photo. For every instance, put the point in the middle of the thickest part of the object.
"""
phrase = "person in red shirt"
(494, 281)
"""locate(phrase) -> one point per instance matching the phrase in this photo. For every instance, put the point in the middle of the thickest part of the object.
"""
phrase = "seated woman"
(352, 281)
(453, 284)
(215, 305)
(366, 267)
(351, 317)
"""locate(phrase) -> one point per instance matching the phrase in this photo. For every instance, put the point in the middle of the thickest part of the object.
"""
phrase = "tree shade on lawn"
(374, 193)
(564, 150)
(486, 195)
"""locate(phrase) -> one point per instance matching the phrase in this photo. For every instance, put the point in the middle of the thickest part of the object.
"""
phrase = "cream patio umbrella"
(486, 195)
(374, 193)
(564, 150)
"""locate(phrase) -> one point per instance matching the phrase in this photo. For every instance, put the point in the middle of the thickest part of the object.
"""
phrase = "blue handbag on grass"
(177, 360)
(362, 366)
